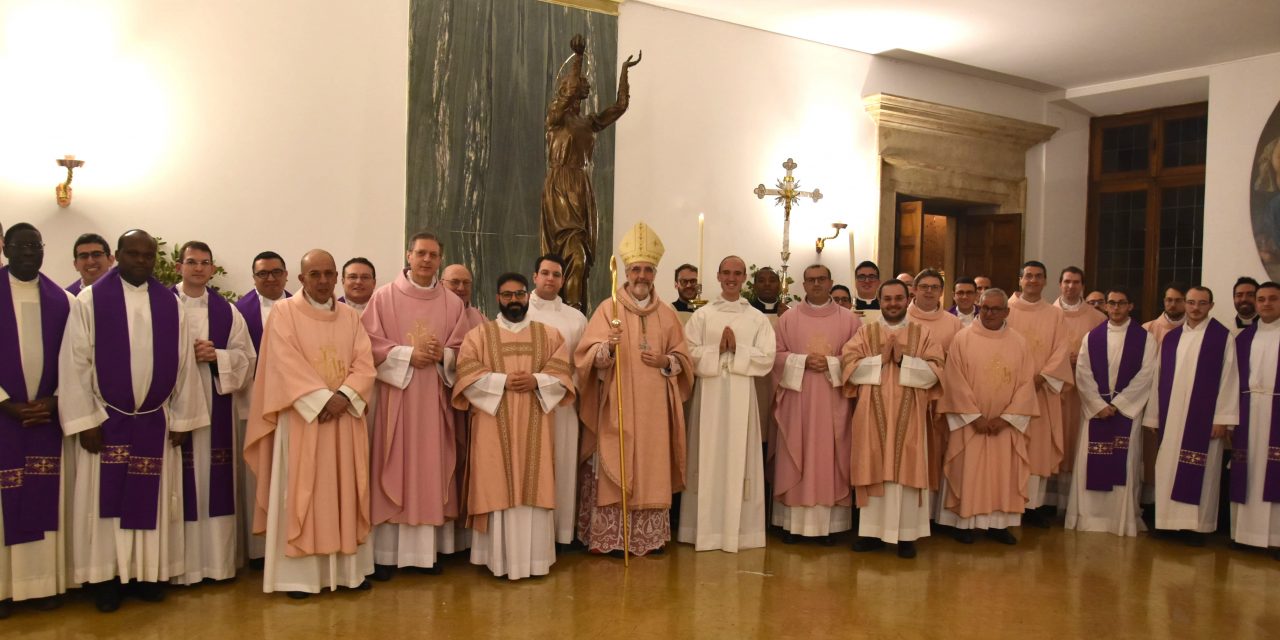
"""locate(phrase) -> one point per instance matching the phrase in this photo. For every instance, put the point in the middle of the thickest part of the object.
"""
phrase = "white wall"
(1242, 95)
(250, 125)
(717, 107)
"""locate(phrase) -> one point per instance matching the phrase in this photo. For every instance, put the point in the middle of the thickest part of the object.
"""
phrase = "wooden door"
(990, 245)
(911, 239)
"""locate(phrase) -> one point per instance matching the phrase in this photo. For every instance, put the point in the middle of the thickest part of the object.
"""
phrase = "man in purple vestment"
(129, 389)
(33, 314)
(416, 328)
(92, 259)
(810, 454)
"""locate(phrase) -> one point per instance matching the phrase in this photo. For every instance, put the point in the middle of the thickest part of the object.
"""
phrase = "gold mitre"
(641, 244)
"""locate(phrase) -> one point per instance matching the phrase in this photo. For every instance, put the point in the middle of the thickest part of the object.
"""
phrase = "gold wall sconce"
(63, 190)
(821, 243)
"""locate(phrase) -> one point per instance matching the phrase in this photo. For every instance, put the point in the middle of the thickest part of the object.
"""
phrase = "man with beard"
(1194, 405)
(965, 295)
(1244, 296)
(128, 387)
(730, 344)
(225, 358)
(1114, 371)
(989, 398)
(926, 310)
(893, 367)
(92, 259)
(545, 306)
(33, 451)
(512, 373)
(1174, 314)
(1043, 327)
(810, 453)
(657, 376)
(415, 326)
(687, 289)
(307, 440)
(359, 279)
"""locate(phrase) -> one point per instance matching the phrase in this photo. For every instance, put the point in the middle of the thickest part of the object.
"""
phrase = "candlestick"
(701, 220)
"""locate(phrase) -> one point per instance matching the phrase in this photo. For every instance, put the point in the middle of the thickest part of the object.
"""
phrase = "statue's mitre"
(641, 244)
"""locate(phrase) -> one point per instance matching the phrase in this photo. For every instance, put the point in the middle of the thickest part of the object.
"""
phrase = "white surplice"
(1171, 514)
(255, 547)
(571, 324)
(101, 549)
(212, 548)
(1256, 522)
(35, 569)
(521, 541)
(902, 513)
(1116, 511)
(723, 503)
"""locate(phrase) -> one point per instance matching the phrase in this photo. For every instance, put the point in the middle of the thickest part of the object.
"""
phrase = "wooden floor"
(1054, 584)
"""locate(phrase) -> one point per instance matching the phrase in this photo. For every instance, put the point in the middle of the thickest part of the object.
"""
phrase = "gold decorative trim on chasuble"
(908, 398)
(538, 349)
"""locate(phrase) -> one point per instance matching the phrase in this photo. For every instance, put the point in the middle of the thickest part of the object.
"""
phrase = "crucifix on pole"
(787, 194)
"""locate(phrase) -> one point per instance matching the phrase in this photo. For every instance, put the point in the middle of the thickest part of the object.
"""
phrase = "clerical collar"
(1111, 326)
(514, 327)
(1069, 307)
(857, 298)
(418, 286)
(900, 324)
(1242, 322)
(26, 284)
(769, 306)
(323, 306)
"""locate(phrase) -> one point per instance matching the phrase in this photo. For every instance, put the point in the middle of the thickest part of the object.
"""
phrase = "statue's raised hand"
(578, 44)
(631, 63)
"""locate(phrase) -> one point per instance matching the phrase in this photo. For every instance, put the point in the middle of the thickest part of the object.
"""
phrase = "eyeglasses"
(27, 246)
(457, 283)
(690, 282)
(928, 287)
(1116, 303)
(192, 262)
(272, 273)
(508, 296)
(91, 255)
(359, 277)
(992, 310)
(866, 277)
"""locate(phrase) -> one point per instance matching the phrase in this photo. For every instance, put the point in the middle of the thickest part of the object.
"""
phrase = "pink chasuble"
(990, 374)
(943, 327)
(510, 454)
(1045, 330)
(305, 350)
(811, 451)
(414, 449)
(890, 421)
(1079, 322)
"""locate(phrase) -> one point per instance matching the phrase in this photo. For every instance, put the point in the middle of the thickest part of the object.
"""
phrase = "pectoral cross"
(787, 194)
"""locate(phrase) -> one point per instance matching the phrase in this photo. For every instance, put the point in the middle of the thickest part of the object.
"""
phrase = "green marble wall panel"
(481, 74)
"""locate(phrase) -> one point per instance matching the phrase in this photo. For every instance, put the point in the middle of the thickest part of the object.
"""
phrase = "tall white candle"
(701, 220)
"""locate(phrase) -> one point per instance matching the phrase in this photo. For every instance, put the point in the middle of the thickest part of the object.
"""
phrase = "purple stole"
(1107, 464)
(133, 437)
(251, 309)
(1194, 450)
(30, 457)
(75, 287)
(222, 490)
(1240, 438)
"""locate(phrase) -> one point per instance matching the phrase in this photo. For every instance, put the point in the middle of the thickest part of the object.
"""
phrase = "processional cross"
(787, 194)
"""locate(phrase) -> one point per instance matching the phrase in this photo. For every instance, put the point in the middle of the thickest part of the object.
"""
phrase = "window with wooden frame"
(1146, 202)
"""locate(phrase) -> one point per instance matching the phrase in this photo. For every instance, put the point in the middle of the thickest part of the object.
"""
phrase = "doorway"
(958, 238)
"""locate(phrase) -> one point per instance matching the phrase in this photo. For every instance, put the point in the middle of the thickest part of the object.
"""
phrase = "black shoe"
(963, 536)
(1035, 518)
(149, 591)
(1194, 538)
(49, 604)
(907, 550)
(1276, 554)
(6, 609)
(660, 551)
(257, 564)
(864, 544)
(1002, 536)
(617, 553)
(790, 538)
(299, 595)
(434, 570)
(827, 541)
(107, 596)
(382, 572)
(570, 547)
(364, 585)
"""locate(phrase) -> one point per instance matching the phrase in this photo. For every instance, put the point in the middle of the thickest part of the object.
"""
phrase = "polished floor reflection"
(1054, 584)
